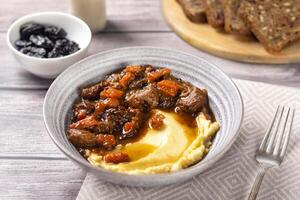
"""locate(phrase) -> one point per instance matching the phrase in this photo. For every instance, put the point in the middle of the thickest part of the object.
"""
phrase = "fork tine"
(281, 133)
(274, 132)
(288, 133)
(265, 139)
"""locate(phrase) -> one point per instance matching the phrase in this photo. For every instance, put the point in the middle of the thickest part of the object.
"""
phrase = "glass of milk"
(93, 12)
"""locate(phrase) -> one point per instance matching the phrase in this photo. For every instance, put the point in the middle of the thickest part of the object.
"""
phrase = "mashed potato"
(174, 147)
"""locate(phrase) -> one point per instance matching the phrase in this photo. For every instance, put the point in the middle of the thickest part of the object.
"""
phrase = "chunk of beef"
(86, 139)
(147, 97)
(113, 119)
(82, 138)
(138, 84)
(104, 127)
(113, 80)
(82, 110)
(132, 127)
(166, 102)
(191, 100)
(93, 91)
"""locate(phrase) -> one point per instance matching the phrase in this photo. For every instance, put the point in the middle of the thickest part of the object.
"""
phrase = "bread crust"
(233, 22)
(214, 13)
(194, 10)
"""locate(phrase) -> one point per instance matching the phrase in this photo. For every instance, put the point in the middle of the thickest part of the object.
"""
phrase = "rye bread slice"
(233, 22)
(194, 10)
(214, 13)
(275, 23)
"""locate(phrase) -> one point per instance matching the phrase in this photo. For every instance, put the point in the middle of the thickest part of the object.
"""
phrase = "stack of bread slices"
(275, 23)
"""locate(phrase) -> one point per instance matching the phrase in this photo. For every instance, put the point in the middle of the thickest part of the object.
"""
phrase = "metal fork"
(274, 144)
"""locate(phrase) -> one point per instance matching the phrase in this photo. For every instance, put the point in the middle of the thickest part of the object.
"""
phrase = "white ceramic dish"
(224, 97)
(76, 29)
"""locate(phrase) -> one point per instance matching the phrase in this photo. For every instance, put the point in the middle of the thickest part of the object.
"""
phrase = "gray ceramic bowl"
(224, 96)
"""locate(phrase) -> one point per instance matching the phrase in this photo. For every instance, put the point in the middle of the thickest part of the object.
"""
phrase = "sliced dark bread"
(214, 13)
(275, 23)
(193, 9)
(233, 22)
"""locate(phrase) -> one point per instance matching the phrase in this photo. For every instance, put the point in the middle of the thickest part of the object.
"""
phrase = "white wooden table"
(31, 167)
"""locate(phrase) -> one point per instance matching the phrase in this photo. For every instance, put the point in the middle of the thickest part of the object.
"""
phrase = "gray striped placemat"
(232, 176)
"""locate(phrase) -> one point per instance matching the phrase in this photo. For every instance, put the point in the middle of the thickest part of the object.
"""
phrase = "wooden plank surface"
(123, 15)
(39, 179)
(13, 76)
(23, 133)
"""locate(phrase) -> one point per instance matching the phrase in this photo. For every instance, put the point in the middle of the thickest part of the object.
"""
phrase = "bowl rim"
(54, 13)
(182, 172)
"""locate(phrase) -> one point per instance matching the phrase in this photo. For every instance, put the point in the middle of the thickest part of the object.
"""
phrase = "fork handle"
(256, 185)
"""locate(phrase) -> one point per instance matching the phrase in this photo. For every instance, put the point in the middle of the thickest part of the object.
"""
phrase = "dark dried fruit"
(31, 28)
(65, 46)
(41, 41)
(44, 41)
(54, 54)
(55, 33)
(22, 43)
(34, 51)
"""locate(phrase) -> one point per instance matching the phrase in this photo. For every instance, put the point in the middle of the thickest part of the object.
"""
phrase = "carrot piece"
(99, 107)
(133, 68)
(107, 141)
(81, 115)
(112, 102)
(128, 126)
(116, 157)
(111, 93)
(157, 121)
(157, 74)
(102, 105)
(169, 87)
(129, 76)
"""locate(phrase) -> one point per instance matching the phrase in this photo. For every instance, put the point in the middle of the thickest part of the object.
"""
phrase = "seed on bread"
(275, 23)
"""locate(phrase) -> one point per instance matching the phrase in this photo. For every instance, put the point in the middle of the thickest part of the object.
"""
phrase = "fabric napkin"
(233, 175)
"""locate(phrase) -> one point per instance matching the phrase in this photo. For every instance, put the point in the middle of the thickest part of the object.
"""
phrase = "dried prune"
(55, 33)
(22, 43)
(31, 28)
(54, 54)
(34, 51)
(44, 41)
(65, 46)
(41, 41)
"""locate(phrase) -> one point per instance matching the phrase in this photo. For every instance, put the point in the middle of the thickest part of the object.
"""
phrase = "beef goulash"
(142, 120)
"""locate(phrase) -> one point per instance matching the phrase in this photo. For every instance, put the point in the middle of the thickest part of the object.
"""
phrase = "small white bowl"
(76, 29)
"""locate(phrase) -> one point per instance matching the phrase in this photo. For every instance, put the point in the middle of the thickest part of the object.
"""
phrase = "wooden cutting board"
(206, 38)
